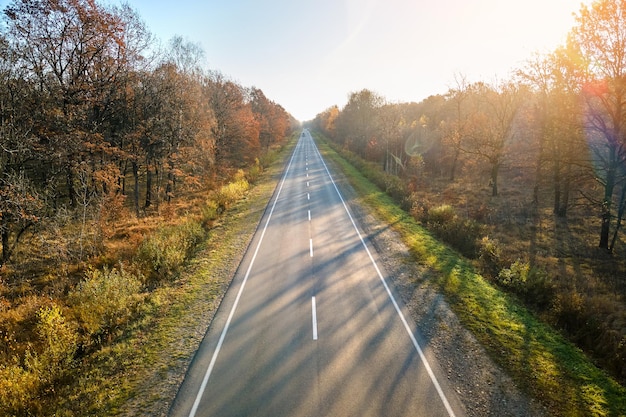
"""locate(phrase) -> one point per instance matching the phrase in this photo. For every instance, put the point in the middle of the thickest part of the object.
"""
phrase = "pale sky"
(308, 55)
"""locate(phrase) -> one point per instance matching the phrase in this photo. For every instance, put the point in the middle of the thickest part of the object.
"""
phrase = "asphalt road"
(309, 326)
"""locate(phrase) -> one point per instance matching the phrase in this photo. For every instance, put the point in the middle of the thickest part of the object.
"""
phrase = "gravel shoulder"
(483, 387)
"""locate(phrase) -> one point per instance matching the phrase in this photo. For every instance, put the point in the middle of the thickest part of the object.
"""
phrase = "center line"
(309, 215)
(311, 247)
(314, 318)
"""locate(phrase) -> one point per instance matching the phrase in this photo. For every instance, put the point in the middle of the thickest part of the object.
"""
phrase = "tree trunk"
(556, 178)
(606, 204)
(455, 160)
(620, 215)
(136, 189)
(148, 188)
(6, 251)
(494, 179)
(562, 212)
(71, 191)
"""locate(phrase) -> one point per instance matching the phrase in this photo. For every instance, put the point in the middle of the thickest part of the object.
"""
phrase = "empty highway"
(310, 326)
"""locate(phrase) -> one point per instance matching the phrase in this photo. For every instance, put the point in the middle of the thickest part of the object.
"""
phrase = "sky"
(308, 55)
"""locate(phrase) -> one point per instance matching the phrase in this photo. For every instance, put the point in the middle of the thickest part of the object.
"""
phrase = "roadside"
(482, 386)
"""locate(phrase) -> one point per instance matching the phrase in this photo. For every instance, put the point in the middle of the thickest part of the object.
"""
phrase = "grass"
(539, 359)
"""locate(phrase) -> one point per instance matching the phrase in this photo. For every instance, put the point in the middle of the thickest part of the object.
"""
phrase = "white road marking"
(309, 215)
(308, 196)
(220, 342)
(307, 183)
(418, 348)
(314, 314)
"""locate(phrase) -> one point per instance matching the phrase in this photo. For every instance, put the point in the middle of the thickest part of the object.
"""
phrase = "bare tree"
(600, 38)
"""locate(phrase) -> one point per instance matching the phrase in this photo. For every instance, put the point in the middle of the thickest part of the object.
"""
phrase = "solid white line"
(314, 314)
(418, 348)
(220, 342)
(311, 247)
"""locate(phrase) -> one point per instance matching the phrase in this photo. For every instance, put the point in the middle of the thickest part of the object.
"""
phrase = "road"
(310, 326)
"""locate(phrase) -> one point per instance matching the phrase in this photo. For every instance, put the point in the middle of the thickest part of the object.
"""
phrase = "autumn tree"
(492, 125)
(556, 83)
(357, 124)
(326, 120)
(21, 201)
(600, 38)
(272, 119)
(235, 131)
(75, 52)
(454, 127)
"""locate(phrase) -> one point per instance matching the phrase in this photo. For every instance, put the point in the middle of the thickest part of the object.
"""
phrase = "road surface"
(310, 326)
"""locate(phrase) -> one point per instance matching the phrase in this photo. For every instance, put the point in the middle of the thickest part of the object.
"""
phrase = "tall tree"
(600, 38)
(357, 124)
(493, 125)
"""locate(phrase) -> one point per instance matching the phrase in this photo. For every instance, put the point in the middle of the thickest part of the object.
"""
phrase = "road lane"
(310, 329)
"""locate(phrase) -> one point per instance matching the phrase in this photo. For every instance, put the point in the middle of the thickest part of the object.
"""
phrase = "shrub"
(461, 234)
(515, 277)
(441, 215)
(18, 389)
(105, 300)
(490, 257)
(254, 171)
(58, 339)
(232, 191)
(165, 252)
(531, 283)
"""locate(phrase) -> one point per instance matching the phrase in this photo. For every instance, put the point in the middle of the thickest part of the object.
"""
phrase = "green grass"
(539, 359)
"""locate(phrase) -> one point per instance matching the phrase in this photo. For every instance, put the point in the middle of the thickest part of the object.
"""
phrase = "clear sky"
(308, 55)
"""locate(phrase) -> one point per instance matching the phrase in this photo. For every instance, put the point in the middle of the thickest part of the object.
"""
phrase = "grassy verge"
(537, 357)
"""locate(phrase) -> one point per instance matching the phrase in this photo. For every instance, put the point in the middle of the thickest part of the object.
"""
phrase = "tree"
(236, 131)
(600, 39)
(357, 124)
(492, 125)
(21, 205)
(454, 128)
(74, 51)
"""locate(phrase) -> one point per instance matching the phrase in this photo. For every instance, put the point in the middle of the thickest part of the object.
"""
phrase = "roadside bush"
(441, 215)
(18, 389)
(233, 191)
(57, 345)
(48, 359)
(515, 277)
(461, 234)
(254, 172)
(104, 301)
(531, 283)
(162, 254)
(490, 257)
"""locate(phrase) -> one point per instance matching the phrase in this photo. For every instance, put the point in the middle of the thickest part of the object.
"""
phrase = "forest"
(117, 152)
(525, 176)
